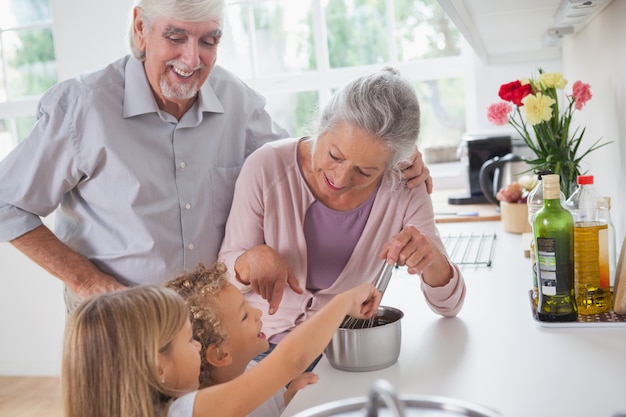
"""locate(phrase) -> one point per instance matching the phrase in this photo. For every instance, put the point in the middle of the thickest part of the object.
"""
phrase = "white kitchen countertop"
(493, 353)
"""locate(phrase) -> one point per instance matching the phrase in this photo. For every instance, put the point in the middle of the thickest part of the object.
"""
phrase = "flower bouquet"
(543, 128)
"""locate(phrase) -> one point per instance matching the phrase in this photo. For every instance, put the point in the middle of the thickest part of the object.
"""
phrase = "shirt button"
(183, 165)
(191, 246)
(187, 206)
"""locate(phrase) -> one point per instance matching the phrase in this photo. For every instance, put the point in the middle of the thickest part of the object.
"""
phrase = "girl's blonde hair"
(110, 355)
(200, 289)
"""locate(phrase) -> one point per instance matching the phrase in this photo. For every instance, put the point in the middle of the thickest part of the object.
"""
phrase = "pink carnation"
(498, 113)
(581, 93)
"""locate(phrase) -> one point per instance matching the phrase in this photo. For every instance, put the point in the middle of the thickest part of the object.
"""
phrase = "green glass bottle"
(553, 230)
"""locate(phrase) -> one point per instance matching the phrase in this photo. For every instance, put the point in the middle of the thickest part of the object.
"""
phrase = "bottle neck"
(551, 188)
(551, 193)
(552, 202)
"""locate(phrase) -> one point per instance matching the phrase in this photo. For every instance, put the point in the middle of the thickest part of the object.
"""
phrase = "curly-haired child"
(229, 332)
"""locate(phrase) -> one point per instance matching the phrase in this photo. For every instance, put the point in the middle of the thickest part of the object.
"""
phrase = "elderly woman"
(312, 217)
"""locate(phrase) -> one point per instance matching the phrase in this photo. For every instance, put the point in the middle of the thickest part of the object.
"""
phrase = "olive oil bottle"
(553, 230)
(535, 203)
(591, 266)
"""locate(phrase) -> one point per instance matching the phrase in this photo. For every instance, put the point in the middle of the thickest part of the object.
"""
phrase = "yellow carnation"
(553, 79)
(538, 108)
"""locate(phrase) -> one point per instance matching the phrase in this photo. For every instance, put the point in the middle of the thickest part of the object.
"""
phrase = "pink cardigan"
(270, 202)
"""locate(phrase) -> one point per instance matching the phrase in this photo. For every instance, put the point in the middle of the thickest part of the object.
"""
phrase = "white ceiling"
(507, 31)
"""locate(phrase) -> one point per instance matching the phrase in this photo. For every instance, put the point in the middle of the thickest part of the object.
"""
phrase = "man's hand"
(417, 172)
(77, 272)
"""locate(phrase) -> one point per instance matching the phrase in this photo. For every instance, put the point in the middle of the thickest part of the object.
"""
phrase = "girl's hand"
(365, 301)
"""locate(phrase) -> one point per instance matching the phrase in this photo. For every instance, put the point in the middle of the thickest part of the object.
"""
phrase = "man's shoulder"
(113, 73)
(223, 81)
(102, 79)
(221, 74)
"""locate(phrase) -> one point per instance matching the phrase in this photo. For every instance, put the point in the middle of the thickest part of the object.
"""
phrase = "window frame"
(324, 79)
(13, 108)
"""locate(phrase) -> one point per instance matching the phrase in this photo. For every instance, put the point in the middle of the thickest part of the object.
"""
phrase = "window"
(27, 66)
(296, 53)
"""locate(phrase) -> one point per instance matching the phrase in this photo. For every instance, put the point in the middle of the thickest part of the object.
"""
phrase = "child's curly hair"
(200, 288)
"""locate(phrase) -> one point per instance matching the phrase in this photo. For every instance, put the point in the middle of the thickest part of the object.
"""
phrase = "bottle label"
(546, 265)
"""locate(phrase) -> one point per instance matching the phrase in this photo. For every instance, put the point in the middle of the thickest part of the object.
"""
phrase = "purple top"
(331, 236)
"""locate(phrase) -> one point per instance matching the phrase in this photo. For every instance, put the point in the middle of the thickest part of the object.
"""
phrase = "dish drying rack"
(470, 248)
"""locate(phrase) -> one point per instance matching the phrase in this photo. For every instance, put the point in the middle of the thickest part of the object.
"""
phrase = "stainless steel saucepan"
(368, 345)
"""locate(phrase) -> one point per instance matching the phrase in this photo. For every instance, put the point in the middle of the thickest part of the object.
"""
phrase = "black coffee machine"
(476, 149)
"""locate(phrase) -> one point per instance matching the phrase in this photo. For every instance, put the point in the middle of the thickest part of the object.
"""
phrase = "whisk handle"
(384, 276)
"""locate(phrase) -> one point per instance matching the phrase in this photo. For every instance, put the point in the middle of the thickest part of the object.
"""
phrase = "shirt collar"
(139, 99)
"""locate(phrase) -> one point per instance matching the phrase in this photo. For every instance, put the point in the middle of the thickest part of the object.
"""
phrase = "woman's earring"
(162, 380)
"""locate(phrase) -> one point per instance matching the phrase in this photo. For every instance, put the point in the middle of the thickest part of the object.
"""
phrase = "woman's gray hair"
(186, 10)
(384, 105)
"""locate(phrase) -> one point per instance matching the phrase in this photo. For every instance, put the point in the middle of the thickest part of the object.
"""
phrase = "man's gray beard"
(181, 92)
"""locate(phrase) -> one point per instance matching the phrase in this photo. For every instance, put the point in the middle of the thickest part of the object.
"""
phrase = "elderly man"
(141, 157)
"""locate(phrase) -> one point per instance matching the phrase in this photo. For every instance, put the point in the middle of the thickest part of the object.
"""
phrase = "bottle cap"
(542, 172)
(584, 179)
(551, 187)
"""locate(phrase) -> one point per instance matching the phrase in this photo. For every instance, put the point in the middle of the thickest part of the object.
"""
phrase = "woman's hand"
(417, 172)
(414, 250)
(267, 273)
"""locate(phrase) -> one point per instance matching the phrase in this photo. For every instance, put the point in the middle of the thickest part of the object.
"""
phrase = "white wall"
(597, 56)
(90, 34)
(32, 317)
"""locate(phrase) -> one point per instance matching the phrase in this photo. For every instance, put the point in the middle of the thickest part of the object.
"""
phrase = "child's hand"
(299, 382)
(365, 301)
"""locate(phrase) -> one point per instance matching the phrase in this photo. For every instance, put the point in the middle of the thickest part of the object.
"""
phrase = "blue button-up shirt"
(143, 195)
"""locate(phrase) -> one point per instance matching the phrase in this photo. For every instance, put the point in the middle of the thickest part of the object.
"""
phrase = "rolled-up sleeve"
(448, 299)
(14, 222)
(34, 176)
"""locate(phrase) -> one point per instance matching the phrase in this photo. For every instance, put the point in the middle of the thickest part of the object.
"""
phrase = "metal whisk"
(381, 284)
